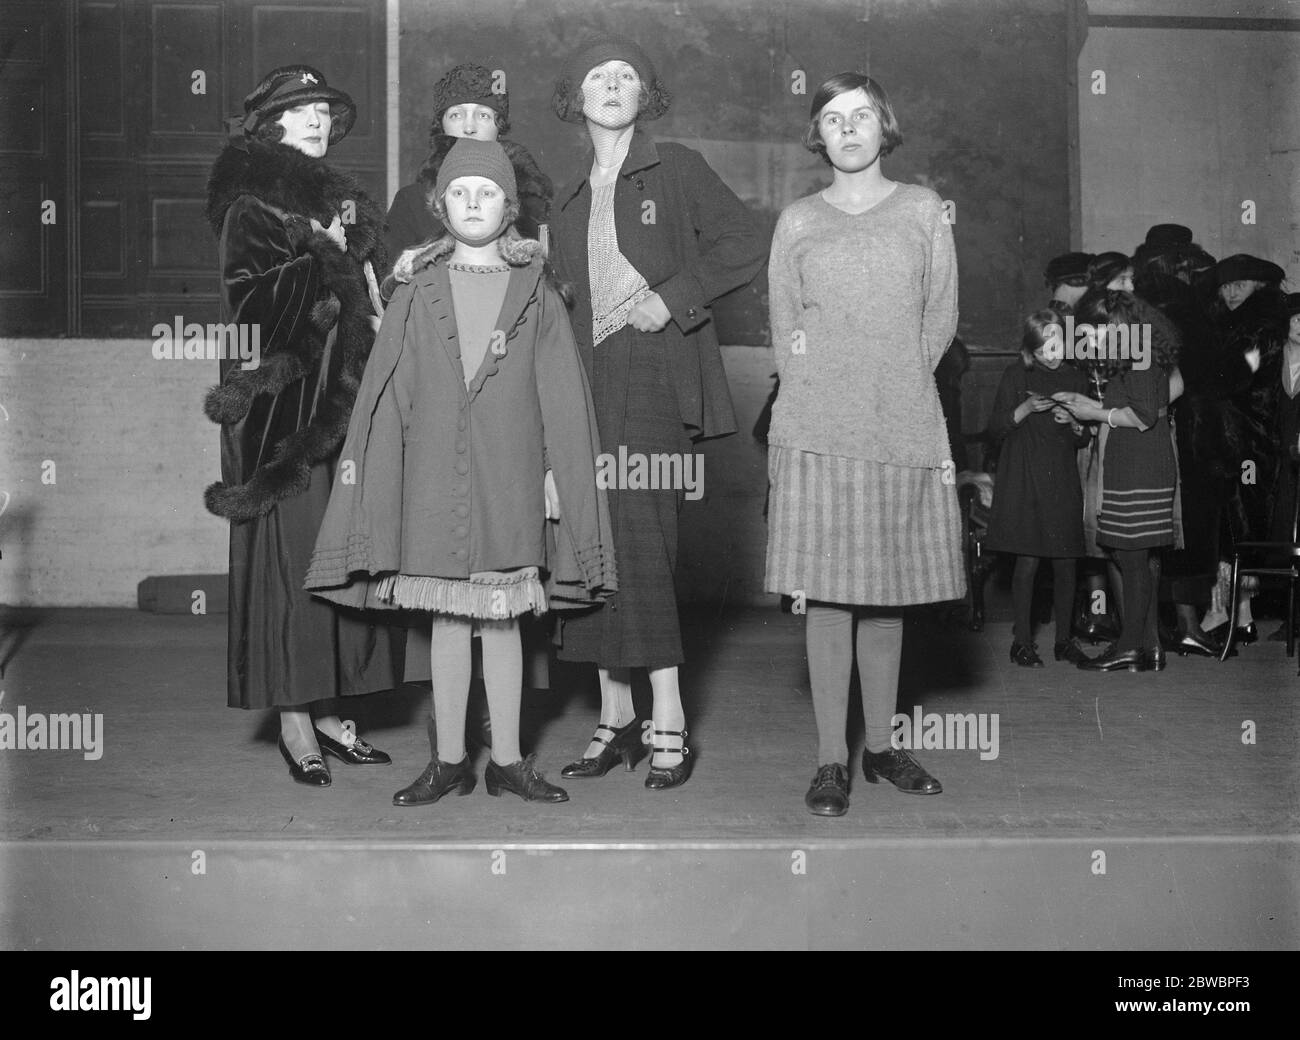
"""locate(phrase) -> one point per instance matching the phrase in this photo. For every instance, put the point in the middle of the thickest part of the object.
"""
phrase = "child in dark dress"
(1038, 506)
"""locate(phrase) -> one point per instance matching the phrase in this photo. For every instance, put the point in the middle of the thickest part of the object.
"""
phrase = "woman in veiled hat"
(296, 273)
(649, 236)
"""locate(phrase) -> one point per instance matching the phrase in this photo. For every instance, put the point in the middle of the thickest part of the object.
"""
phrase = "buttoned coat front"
(447, 480)
(692, 240)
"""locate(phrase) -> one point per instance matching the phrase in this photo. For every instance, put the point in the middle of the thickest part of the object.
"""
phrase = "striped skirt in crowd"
(1139, 478)
(856, 532)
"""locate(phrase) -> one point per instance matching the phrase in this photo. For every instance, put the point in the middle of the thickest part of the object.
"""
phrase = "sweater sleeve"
(939, 317)
(782, 292)
(730, 245)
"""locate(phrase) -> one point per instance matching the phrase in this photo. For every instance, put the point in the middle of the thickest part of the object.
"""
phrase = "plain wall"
(1195, 122)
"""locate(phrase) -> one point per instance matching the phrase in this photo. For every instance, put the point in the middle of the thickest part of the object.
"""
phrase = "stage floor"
(1195, 767)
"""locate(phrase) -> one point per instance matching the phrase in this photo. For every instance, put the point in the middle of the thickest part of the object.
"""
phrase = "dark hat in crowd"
(469, 85)
(597, 51)
(470, 157)
(1067, 266)
(1242, 266)
(1160, 236)
(610, 48)
(1292, 304)
(288, 87)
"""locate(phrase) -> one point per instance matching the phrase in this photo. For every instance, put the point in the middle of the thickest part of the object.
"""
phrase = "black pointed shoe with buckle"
(310, 769)
(1114, 660)
(829, 793)
(1026, 655)
(437, 779)
(355, 752)
(624, 742)
(900, 769)
(1070, 651)
(523, 779)
(674, 776)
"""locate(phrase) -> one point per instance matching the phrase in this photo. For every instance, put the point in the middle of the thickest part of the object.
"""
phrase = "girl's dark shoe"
(624, 743)
(1026, 655)
(1155, 657)
(1095, 628)
(1070, 651)
(1114, 660)
(829, 793)
(437, 779)
(357, 753)
(900, 769)
(662, 779)
(523, 779)
(309, 770)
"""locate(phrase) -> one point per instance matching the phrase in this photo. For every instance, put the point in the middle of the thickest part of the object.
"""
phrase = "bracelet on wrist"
(1110, 418)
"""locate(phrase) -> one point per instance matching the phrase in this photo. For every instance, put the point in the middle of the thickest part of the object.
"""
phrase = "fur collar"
(295, 183)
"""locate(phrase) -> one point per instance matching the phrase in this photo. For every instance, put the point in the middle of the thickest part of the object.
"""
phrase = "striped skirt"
(864, 533)
(1139, 478)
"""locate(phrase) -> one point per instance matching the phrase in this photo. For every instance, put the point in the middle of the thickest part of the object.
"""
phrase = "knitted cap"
(1242, 266)
(288, 87)
(1069, 265)
(609, 48)
(470, 157)
(468, 85)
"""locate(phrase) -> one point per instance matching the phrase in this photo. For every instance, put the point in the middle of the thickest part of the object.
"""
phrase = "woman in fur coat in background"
(292, 270)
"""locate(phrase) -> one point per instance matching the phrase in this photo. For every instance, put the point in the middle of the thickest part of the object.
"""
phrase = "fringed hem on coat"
(486, 595)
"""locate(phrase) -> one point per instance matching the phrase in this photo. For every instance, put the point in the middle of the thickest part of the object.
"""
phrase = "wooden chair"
(1262, 551)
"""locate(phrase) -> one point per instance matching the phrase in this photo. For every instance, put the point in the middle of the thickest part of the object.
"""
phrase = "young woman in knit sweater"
(864, 517)
(473, 427)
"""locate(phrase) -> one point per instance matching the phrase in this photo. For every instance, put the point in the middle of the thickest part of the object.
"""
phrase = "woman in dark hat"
(1286, 426)
(649, 237)
(297, 274)
(469, 101)
(1066, 277)
(1208, 428)
(864, 519)
(1250, 320)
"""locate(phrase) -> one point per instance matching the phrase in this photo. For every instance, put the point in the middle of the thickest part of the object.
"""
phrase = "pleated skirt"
(858, 532)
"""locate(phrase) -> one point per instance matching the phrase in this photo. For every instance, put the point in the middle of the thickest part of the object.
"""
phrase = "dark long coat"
(692, 240)
(283, 422)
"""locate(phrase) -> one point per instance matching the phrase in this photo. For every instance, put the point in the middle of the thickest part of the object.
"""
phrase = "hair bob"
(891, 136)
(1037, 331)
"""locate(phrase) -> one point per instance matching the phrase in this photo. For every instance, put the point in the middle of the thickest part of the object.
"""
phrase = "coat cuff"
(684, 297)
(598, 572)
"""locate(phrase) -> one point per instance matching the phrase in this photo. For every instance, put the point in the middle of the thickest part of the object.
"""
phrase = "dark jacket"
(411, 220)
(449, 481)
(692, 240)
(309, 301)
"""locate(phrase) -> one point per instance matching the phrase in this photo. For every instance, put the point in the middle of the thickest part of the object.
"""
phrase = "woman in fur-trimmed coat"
(294, 271)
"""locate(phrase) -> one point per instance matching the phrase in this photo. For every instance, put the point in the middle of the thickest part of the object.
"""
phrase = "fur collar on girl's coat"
(299, 188)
